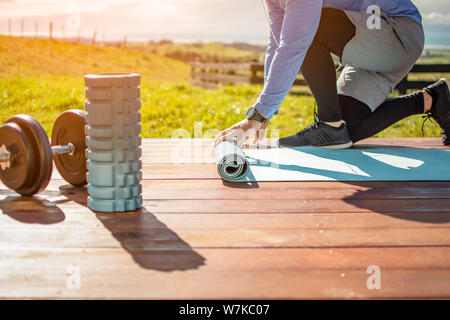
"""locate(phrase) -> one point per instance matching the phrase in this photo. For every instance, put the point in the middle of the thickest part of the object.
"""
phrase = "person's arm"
(297, 21)
(275, 16)
(299, 25)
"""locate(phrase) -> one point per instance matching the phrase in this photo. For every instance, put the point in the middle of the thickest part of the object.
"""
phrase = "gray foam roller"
(114, 146)
(109, 132)
(114, 205)
(117, 80)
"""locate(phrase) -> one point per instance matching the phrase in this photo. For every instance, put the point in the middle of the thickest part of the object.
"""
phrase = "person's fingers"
(237, 136)
(263, 131)
(219, 140)
(262, 134)
(241, 140)
(243, 135)
(256, 139)
(232, 133)
(220, 136)
(259, 136)
(223, 133)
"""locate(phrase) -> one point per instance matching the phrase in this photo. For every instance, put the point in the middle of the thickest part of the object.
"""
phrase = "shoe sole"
(338, 146)
(330, 147)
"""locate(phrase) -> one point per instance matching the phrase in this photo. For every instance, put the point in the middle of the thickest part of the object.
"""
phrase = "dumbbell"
(26, 155)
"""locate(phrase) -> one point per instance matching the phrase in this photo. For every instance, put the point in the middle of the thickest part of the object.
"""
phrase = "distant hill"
(435, 56)
(43, 57)
(202, 51)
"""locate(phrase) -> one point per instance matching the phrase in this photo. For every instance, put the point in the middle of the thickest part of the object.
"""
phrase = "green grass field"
(43, 78)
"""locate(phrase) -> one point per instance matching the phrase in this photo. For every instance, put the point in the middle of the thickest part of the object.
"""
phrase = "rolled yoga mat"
(232, 165)
(317, 164)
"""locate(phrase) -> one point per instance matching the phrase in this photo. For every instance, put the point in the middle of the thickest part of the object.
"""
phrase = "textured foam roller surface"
(113, 94)
(113, 142)
(117, 80)
(114, 205)
(108, 132)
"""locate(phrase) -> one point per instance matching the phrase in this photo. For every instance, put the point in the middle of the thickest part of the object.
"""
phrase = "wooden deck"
(199, 237)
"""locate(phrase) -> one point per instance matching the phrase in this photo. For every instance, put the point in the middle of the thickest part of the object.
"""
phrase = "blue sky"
(183, 20)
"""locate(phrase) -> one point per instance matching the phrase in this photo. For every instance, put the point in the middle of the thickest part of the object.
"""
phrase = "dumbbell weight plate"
(69, 127)
(41, 160)
(16, 142)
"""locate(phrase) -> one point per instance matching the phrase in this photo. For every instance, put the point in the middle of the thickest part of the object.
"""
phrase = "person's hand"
(241, 131)
(261, 133)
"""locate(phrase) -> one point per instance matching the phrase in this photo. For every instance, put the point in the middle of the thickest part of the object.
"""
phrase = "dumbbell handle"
(5, 156)
(65, 149)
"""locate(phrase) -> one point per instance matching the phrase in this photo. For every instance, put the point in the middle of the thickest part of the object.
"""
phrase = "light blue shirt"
(294, 24)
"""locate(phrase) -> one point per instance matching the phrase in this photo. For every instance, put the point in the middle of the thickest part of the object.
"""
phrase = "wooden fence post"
(36, 27)
(210, 74)
(21, 27)
(93, 37)
(9, 27)
(50, 35)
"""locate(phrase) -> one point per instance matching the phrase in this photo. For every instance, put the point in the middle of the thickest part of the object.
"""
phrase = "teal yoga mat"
(317, 164)
(231, 161)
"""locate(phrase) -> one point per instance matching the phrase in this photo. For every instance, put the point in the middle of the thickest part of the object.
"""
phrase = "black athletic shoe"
(319, 134)
(440, 110)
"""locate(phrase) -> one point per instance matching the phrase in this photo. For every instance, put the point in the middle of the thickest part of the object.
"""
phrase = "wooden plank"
(431, 68)
(298, 206)
(180, 171)
(224, 66)
(256, 274)
(204, 84)
(416, 186)
(322, 221)
(218, 189)
(257, 67)
(260, 80)
(414, 84)
(80, 217)
(411, 258)
(221, 77)
(272, 284)
(302, 205)
(163, 238)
